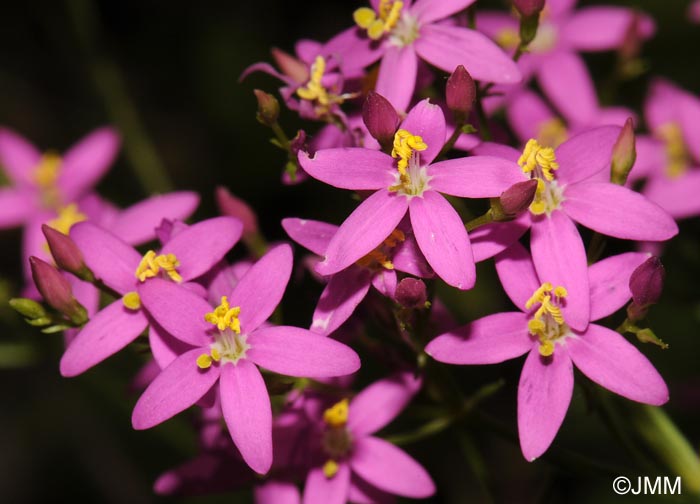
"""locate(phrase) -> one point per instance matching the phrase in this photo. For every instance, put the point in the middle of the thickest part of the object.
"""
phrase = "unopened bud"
(232, 206)
(518, 197)
(268, 107)
(66, 253)
(528, 8)
(460, 92)
(56, 290)
(529, 11)
(647, 282)
(381, 118)
(624, 154)
(411, 293)
(28, 308)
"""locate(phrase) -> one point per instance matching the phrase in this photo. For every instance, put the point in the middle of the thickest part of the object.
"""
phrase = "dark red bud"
(235, 207)
(380, 117)
(460, 92)
(411, 293)
(268, 107)
(518, 197)
(528, 8)
(647, 282)
(65, 252)
(56, 290)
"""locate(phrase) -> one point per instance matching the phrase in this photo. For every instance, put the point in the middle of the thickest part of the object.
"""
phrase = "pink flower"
(228, 343)
(125, 271)
(542, 331)
(400, 33)
(354, 462)
(408, 182)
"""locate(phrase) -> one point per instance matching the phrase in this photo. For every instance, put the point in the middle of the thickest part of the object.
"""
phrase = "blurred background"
(166, 75)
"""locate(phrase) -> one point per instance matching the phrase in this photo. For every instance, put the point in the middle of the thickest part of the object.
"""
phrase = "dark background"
(166, 74)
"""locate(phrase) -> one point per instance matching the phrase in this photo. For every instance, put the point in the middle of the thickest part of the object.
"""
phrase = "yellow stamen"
(380, 255)
(132, 300)
(67, 217)
(337, 415)
(508, 38)
(546, 348)
(405, 144)
(378, 25)
(204, 361)
(534, 156)
(677, 156)
(547, 323)
(224, 316)
(46, 173)
(539, 295)
(151, 264)
(314, 90)
(330, 468)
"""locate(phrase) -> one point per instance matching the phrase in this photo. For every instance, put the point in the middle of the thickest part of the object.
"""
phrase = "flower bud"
(66, 253)
(56, 290)
(624, 154)
(268, 108)
(529, 19)
(381, 118)
(647, 282)
(411, 293)
(528, 8)
(232, 206)
(28, 308)
(518, 197)
(460, 92)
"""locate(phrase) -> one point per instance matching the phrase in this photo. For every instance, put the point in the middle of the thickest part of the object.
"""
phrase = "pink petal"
(322, 490)
(260, 290)
(345, 290)
(570, 87)
(689, 113)
(364, 230)
(86, 162)
(391, 469)
(175, 389)
(397, 76)
(314, 235)
(558, 8)
(297, 352)
(617, 211)
(137, 224)
(353, 50)
(446, 47)
(612, 362)
(428, 11)
(378, 404)
(177, 309)
(443, 239)
(651, 157)
(586, 154)
(560, 258)
(427, 121)
(598, 28)
(527, 112)
(497, 150)
(474, 177)
(663, 103)
(248, 414)
(16, 207)
(517, 274)
(385, 282)
(277, 492)
(488, 340)
(677, 196)
(544, 393)
(18, 157)
(609, 282)
(492, 239)
(350, 167)
(110, 330)
(164, 347)
(362, 492)
(110, 259)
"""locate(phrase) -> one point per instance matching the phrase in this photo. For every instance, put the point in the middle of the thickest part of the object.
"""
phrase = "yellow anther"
(380, 255)
(405, 143)
(337, 415)
(67, 217)
(132, 300)
(535, 156)
(677, 156)
(46, 173)
(204, 361)
(151, 264)
(536, 326)
(560, 292)
(546, 348)
(539, 295)
(508, 38)
(378, 25)
(547, 323)
(215, 354)
(364, 17)
(552, 133)
(330, 468)
(225, 317)
(314, 90)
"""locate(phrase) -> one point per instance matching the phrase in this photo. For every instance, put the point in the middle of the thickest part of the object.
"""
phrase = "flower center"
(541, 163)
(379, 23)
(46, 176)
(379, 257)
(151, 264)
(552, 133)
(677, 155)
(315, 91)
(336, 440)
(229, 344)
(547, 323)
(67, 217)
(411, 178)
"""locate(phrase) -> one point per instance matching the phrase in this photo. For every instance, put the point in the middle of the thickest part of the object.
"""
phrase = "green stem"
(451, 141)
(479, 221)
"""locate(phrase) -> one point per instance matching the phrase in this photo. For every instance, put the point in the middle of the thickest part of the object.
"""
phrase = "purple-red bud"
(411, 293)
(460, 92)
(380, 117)
(232, 206)
(624, 153)
(56, 290)
(528, 8)
(518, 197)
(647, 282)
(66, 253)
(268, 107)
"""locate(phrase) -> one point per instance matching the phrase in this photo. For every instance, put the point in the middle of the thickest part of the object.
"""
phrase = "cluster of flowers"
(214, 333)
